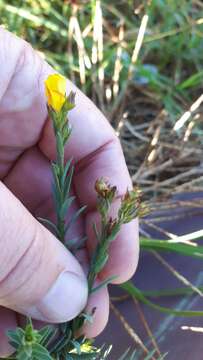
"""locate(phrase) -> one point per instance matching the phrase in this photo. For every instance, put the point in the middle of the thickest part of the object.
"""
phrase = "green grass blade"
(135, 292)
(166, 245)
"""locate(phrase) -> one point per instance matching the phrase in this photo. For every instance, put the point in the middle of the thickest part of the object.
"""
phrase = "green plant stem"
(60, 217)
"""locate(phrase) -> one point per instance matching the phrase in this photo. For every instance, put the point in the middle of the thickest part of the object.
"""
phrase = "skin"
(27, 145)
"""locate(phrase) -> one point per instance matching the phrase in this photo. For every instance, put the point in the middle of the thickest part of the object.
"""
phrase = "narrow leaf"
(47, 333)
(40, 353)
(164, 245)
(16, 336)
(133, 291)
(50, 224)
(67, 182)
(66, 169)
(60, 147)
(63, 341)
(104, 283)
(74, 217)
(64, 208)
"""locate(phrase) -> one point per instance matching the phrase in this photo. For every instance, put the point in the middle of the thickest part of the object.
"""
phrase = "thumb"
(38, 276)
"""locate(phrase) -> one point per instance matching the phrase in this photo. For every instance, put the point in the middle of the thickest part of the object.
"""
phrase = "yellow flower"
(55, 90)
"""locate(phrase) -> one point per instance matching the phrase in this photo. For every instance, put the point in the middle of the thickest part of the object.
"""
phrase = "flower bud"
(55, 90)
(105, 190)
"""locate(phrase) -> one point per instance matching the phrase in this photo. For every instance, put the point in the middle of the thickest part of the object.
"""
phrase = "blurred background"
(141, 63)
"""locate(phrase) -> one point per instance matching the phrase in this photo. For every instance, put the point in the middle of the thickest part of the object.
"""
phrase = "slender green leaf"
(75, 217)
(67, 182)
(135, 292)
(104, 283)
(36, 20)
(165, 245)
(65, 206)
(66, 169)
(60, 147)
(171, 292)
(40, 353)
(50, 224)
(191, 81)
(16, 336)
(47, 333)
(61, 342)
(24, 354)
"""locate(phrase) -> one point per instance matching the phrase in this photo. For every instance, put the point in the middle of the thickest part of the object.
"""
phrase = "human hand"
(38, 276)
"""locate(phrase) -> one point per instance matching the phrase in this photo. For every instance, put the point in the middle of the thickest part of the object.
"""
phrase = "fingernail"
(64, 301)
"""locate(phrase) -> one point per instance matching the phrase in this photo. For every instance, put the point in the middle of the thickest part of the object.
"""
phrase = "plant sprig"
(63, 342)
